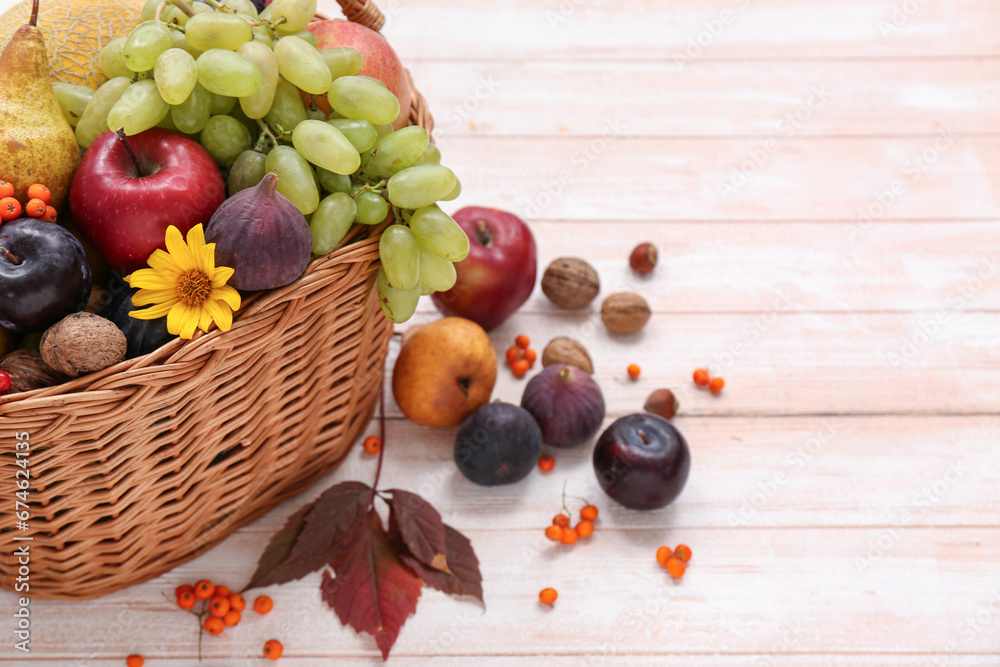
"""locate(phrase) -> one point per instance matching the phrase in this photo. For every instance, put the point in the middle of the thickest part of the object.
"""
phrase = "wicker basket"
(145, 465)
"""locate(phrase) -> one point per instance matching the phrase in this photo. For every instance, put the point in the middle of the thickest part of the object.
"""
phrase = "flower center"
(194, 288)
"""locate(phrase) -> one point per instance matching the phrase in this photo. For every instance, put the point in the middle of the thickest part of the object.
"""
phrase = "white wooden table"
(844, 501)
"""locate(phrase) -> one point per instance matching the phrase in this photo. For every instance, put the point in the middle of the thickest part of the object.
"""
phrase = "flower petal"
(179, 251)
(222, 275)
(174, 318)
(163, 262)
(206, 260)
(227, 294)
(149, 279)
(153, 312)
(145, 297)
(204, 320)
(220, 313)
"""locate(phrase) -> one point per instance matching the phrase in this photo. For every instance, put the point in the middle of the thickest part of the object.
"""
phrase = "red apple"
(124, 208)
(381, 62)
(498, 275)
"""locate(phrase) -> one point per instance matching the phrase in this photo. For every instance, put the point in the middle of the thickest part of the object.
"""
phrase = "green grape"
(398, 306)
(112, 61)
(331, 222)
(94, 121)
(191, 115)
(139, 108)
(72, 100)
(431, 154)
(168, 123)
(287, 110)
(400, 255)
(217, 30)
(253, 127)
(263, 35)
(359, 132)
(258, 104)
(265, 14)
(200, 8)
(436, 272)
(416, 187)
(180, 43)
(145, 44)
(242, 7)
(222, 104)
(301, 34)
(438, 233)
(293, 14)
(295, 178)
(225, 138)
(324, 145)
(301, 65)
(342, 61)
(176, 75)
(394, 152)
(170, 13)
(381, 130)
(425, 290)
(247, 171)
(332, 182)
(372, 207)
(455, 192)
(315, 114)
(360, 97)
(227, 73)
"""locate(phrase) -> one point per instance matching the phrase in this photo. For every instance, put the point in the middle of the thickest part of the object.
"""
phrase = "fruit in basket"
(37, 145)
(44, 275)
(82, 343)
(497, 444)
(566, 403)
(141, 336)
(445, 370)
(380, 60)
(262, 236)
(27, 371)
(498, 275)
(642, 461)
(74, 32)
(172, 181)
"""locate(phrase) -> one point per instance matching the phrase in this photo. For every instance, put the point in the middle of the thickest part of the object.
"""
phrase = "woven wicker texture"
(145, 465)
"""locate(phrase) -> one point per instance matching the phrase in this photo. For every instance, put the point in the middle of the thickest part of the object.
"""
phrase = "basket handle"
(364, 12)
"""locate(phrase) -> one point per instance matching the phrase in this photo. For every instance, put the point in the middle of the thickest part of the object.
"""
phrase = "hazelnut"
(570, 282)
(563, 350)
(83, 343)
(28, 371)
(662, 402)
(643, 258)
(625, 312)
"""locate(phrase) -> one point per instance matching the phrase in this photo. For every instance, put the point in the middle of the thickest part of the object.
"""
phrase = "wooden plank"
(691, 30)
(861, 181)
(662, 660)
(781, 99)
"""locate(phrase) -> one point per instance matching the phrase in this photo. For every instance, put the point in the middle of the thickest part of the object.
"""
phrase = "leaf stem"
(381, 435)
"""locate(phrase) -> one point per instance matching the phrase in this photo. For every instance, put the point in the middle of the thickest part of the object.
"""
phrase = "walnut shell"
(83, 343)
(570, 282)
(625, 312)
(28, 371)
(563, 350)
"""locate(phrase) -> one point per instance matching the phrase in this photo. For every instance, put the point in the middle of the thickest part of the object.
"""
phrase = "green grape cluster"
(233, 79)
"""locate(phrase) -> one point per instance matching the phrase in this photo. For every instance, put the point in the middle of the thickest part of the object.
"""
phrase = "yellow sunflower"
(184, 284)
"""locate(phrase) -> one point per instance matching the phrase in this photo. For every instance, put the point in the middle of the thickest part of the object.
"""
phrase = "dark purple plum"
(142, 336)
(642, 461)
(497, 444)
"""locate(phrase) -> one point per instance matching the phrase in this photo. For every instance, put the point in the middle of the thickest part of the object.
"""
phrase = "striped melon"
(75, 32)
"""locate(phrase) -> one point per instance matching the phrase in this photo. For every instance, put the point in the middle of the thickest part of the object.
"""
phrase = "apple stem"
(9, 256)
(483, 234)
(34, 14)
(121, 135)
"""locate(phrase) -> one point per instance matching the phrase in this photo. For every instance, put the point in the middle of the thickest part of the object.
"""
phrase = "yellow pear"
(37, 145)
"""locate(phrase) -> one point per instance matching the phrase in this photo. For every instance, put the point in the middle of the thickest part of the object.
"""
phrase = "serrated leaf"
(420, 528)
(326, 530)
(280, 546)
(373, 591)
(464, 577)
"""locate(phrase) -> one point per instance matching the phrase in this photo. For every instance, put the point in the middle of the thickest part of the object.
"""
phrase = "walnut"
(625, 312)
(563, 350)
(570, 282)
(83, 343)
(28, 371)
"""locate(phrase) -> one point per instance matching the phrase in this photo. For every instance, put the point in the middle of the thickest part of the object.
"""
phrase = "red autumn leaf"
(420, 528)
(323, 531)
(463, 577)
(373, 591)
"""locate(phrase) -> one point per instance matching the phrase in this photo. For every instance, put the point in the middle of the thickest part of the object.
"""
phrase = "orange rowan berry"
(204, 589)
(182, 589)
(35, 208)
(50, 214)
(634, 371)
(134, 661)
(589, 513)
(560, 520)
(701, 377)
(531, 356)
(6, 189)
(569, 536)
(548, 596)
(186, 599)
(219, 606)
(520, 368)
(263, 604)
(585, 528)
(10, 209)
(221, 592)
(675, 566)
(546, 463)
(716, 384)
(513, 354)
(522, 342)
(232, 618)
(237, 602)
(554, 533)
(39, 191)
(273, 649)
(662, 554)
(372, 445)
(214, 625)
(683, 552)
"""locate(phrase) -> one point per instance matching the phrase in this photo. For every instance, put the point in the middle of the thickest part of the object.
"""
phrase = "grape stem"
(266, 134)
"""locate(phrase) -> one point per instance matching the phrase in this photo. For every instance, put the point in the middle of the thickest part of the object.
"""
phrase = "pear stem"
(9, 256)
(121, 135)
(34, 14)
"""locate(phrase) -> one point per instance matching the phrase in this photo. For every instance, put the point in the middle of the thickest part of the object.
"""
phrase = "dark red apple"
(498, 275)
(124, 206)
